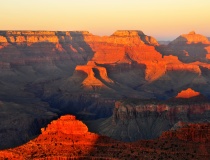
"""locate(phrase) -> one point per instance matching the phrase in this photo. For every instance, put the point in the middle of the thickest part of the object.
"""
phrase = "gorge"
(125, 86)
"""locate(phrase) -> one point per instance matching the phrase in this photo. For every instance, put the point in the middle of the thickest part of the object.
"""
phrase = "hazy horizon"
(162, 19)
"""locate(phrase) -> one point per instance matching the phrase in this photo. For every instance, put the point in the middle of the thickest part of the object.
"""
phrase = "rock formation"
(147, 119)
(190, 132)
(189, 47)
(27, 48)
(188, 93)
(125, 64)
(190, 38)
(68, 138)
(84, 74)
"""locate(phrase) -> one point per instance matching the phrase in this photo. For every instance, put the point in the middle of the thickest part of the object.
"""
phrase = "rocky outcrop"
(133, 33)
(67, 125)
(190, 132)
(3, 39)
(190, 38)
(78, 47)
(30, 37)
(95, 75)
(28, 48)
(189, 47)
(68, 138)
(188, 93)
(148, 119)
(188, 140)
(126, 47)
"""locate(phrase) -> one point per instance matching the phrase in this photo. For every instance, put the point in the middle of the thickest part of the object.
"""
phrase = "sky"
(162, 19)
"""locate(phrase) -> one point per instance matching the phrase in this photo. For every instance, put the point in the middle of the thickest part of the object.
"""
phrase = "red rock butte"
(190, 38)
(68, 138)
(65, 137)
(67, 125)
(188, 93)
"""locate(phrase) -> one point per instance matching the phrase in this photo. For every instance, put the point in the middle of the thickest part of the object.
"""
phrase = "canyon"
(135, 119)
(126, 86)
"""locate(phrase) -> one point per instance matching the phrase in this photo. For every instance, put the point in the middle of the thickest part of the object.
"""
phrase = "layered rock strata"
(83, 74)
(189, 47)
(143, 119)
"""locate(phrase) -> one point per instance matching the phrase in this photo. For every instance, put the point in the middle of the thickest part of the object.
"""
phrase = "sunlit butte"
(188, 93)
(162, 19)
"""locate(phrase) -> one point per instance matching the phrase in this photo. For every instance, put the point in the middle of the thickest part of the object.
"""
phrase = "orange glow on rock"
(188, 93)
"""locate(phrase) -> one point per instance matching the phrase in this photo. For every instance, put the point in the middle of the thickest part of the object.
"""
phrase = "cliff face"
(68, 138)
(125, 64)
(125, 47)
(148, 119)
(131, 54)
(190, 132)
(26, 48)
(23, 48)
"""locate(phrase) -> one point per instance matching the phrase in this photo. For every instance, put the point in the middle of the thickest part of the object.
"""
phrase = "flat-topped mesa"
(20, 37)
(190, 38)
(136, 34)
(24, 33)
(41, 33)
(127, 33)
(127, 38)
(41, 36)
(77, 32)
(188, 93)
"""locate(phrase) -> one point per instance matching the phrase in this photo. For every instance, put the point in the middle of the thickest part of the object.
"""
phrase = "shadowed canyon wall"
(135, 119)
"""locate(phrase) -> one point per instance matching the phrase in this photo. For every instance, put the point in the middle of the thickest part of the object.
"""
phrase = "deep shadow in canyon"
(46, 75)
(25, 64)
